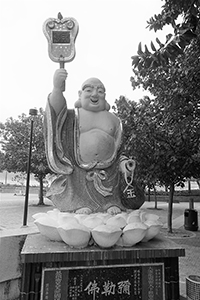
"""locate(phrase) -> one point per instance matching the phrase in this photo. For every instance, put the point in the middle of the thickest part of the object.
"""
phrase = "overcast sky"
(109, 34)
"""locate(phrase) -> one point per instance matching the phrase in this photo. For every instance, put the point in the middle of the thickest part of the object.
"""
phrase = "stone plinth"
(52, 269)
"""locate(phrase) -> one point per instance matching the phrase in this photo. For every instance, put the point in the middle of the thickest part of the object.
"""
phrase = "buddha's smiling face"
(92, 95)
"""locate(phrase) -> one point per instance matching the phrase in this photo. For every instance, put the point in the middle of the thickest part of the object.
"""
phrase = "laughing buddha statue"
(83, 148)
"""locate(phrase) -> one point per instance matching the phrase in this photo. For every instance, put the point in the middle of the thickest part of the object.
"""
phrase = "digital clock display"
(61, 37)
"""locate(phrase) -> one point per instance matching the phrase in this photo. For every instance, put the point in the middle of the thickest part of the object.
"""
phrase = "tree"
(184, 32)
(16, 137)
(176, 91)
(174, 83)
(1, 161)
(163, 140)
(20, 178)
(139, 123)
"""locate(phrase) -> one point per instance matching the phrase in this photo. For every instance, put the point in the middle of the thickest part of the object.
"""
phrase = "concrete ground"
(12, 215)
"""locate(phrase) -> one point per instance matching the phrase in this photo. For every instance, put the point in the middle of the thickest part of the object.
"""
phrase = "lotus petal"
(117, 220)
(135, 225)
(76, 236)
(153, 229)
(53, 213)
(39, 215)
(80, 217)
(147, 216)
(120, 242)
(124, 215)
(104, 216)
(92, 221)
(106, 236)
(48, 228)
(133, 233)
(135, 212)
(66, 219)
(133, 219)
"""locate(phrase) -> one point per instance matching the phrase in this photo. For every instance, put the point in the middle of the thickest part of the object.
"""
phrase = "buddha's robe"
(96, 184)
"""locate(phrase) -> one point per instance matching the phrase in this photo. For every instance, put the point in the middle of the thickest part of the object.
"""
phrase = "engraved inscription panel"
(138, 282)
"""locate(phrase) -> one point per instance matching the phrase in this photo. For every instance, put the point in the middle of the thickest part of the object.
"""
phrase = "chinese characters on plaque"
(138, 282)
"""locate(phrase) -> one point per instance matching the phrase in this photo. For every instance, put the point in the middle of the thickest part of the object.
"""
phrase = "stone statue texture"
(83, 148)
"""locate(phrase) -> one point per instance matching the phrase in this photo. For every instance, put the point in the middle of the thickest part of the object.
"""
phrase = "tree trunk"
(170, 207)
(41, 198)
(155, 197)
(149, 194)
(198, 182)
(189, 186)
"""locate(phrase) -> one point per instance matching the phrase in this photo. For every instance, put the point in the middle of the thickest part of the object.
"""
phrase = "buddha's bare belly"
(96, 145)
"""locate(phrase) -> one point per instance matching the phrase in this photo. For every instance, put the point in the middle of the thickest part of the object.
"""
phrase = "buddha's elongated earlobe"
(77, 104)
(107, 106)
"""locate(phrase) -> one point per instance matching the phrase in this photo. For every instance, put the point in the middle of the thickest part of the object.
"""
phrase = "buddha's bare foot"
(84, 210)
(113, 210)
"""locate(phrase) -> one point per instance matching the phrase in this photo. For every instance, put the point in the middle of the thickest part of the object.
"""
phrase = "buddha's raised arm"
(56, 98)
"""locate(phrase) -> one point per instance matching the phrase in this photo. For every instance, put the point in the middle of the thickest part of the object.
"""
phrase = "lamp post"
(32, 113)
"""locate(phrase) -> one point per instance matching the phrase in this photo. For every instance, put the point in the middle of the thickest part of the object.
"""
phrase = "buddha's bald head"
(92, 96)
(93, 82)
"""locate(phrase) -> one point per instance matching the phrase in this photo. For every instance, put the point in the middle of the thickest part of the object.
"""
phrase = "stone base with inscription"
(53, 271)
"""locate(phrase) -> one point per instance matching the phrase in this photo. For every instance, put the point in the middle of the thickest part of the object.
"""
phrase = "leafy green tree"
(137, 119)
(175, 86)
(16, 140)
(1, 161)
(20, 178)
(176, 91)
(183, 16)
(164, 143)
(139, 123)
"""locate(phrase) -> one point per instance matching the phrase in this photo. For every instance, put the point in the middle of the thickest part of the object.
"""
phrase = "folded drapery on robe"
(94, 185)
